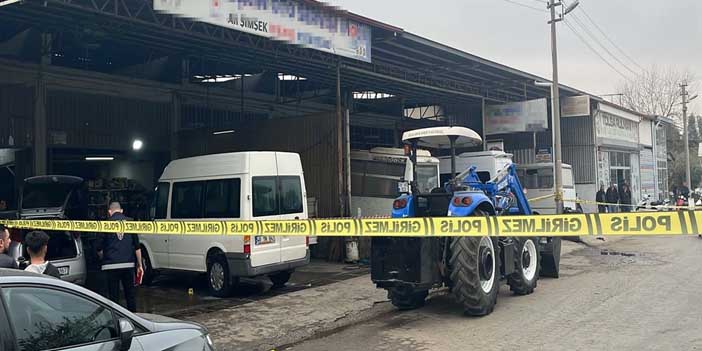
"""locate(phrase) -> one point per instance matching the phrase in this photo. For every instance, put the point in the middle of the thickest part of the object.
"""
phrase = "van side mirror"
(126, 334)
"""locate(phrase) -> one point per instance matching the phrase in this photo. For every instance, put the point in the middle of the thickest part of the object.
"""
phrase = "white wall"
(646, 133)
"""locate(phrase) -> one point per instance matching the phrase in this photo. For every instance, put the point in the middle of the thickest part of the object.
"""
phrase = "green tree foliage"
(676, 153)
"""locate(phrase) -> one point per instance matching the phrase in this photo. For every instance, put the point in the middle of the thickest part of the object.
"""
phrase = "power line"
(598, 42)
(604, 34)
(525, 5)
(595, 51)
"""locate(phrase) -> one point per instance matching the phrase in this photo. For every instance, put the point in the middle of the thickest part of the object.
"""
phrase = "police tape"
(661, 207)
(643, 223)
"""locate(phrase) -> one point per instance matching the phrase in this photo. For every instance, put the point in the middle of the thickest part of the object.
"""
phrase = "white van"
(538, 181)
(376, 173)
(230, 186)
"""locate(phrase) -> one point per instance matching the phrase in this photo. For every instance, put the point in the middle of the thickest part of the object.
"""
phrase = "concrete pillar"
(176, 107)
(175, 123)
(40, 122)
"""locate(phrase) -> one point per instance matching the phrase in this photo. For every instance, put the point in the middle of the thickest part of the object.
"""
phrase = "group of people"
(119, 253)
(614, 199)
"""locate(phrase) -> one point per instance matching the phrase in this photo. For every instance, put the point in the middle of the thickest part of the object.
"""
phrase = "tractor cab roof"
(439, 137)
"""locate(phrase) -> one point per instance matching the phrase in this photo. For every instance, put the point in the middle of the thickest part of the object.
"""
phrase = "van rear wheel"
(219, 280)
(279, 279)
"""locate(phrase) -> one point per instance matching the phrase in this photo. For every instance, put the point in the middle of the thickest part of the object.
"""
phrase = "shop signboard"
(525, 116)
(296, 22)
(575, 106)
(616, 128)
(543, 155)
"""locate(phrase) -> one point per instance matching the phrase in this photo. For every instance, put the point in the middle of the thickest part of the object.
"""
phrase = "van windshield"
(541, 178)
(427, 178)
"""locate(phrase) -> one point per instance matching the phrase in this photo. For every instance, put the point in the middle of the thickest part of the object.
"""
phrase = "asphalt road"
(635, 293)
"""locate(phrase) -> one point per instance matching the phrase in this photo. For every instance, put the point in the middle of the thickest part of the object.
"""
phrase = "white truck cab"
(487, 164)
(538, 181)
(375, 175)
(230, 186)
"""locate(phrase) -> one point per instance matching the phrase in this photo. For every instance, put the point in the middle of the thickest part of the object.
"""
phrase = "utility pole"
(555, 102)
(686, 137)
(556, 111)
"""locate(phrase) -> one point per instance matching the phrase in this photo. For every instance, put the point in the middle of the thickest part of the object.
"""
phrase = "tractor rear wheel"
(473, 273)
(407, 298)
(527, 262)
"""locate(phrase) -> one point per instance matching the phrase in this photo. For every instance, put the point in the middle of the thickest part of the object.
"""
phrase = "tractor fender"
(480, 201)
(407, 211)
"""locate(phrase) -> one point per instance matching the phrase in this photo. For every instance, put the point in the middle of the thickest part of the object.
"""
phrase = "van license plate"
(264, 239)
(63, 270)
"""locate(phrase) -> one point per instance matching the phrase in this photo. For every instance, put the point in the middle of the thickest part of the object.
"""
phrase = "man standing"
(37, 243)
(601, 199)
(612, 196)
(684, 190)
(625, 198)
(120, 254)
(5, 260)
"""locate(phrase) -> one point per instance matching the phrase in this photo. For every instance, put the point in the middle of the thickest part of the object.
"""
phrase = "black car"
(38, 312)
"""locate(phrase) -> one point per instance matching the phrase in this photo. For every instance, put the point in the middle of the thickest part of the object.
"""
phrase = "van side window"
(290, 195)
(265, 196)
(162, 200)
(222, 198)
(187, 200)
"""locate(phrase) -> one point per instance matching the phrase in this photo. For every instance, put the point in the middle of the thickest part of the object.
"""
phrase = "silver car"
(56, 197)
(38, 312)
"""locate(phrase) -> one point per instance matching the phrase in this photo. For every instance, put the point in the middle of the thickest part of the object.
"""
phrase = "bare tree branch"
(657, 91)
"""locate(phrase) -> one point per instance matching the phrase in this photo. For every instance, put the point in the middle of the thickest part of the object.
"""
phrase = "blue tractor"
(471, 267)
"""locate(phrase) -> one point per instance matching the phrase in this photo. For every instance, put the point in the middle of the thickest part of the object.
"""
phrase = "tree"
(656, 91)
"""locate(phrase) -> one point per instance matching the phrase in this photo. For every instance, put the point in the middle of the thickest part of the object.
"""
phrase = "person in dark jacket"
(625, 198)
(601, 198)
(612, 197)
(37, 243)
(6, 261)
(120, 254)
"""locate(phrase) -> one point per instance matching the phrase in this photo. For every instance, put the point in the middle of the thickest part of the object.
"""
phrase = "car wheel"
(219, 281)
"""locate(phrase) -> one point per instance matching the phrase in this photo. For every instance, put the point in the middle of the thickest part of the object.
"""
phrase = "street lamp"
(555, 102)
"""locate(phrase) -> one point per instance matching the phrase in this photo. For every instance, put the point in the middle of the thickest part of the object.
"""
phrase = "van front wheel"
(280, 278)
(219, 281)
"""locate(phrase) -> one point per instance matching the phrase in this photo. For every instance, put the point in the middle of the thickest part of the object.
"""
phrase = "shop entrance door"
(620, 176)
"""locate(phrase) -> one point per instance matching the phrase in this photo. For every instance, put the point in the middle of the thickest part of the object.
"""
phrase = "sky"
(660, 32)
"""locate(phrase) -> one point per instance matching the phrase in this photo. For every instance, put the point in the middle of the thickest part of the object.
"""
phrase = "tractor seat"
(438, 203)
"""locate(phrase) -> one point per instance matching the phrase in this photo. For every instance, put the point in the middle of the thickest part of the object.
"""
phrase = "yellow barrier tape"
(539, 198)
(642, 223)
(667, 207)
